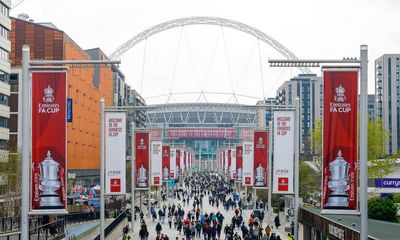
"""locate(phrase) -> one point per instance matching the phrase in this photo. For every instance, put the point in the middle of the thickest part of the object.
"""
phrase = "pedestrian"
(158, 229)
(268, 230)
(170, 221)
(277, 222)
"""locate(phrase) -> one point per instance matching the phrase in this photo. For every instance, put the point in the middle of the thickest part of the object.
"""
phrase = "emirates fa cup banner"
(172, 163)
(178, 163)
(142, 159)
(283, 152)
(226, 162)
(248, 163)
(260, 159)
(239, 163)
(156, 163)
(228, 171)
(48, 166)
(340, 139)
(165, 163)
(233, 164)
(115, 152)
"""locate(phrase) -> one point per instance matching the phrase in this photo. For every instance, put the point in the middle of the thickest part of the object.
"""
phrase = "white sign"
(115, 152)
(336, 232)
(283, 152)
(233, 163)
(156, 163)
(248, 163)
(172, 163)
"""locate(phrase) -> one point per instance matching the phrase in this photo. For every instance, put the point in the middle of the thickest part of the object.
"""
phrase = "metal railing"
(10, 224)
(54, 230)
(75, 218)
(113, 225)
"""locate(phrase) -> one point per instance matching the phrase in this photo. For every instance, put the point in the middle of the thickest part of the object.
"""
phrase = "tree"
(379, 165)
(10, 174)
(309, 185)
(382, 209)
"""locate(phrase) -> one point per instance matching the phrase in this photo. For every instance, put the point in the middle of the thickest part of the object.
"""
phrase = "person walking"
(268, 231)
(158, 229)
(277, 222)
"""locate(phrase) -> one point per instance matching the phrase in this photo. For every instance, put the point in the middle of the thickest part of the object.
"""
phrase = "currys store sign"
(387, 182)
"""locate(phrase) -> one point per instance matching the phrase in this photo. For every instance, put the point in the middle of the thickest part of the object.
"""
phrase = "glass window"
(3, 144)
(4, 9)
(4, 77)
(3, 99)
(3, 122)
(4, 55)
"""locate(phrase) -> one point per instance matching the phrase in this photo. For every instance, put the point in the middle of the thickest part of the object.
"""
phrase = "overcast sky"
(214, 59)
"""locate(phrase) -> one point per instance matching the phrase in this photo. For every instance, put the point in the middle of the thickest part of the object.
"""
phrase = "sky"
(193, 59)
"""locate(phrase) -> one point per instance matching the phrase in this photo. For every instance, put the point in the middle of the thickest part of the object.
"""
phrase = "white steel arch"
(206, 21)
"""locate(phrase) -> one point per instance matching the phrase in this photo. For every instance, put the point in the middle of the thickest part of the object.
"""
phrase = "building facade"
(270, 104)
(86, 86)
(308, 87)
(387, 94)
(5, 48)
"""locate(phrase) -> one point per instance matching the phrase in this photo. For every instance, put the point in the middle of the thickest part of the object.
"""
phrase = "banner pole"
(102, 190)
(25, 143)
(296, 168)
(269, 173)
(363, 142)
(133, 181)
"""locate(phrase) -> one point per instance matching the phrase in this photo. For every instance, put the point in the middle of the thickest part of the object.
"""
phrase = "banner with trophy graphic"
(260, 159)
(48, 166)
(172, 163)
(142, 159)
(165, 163)
(156, 163)
(228, 170)
(233, 164)
(239, 163)
(339, 190)
(248, 163)
(283, 152)
(115, 152)
(226, 161)
(178, 163)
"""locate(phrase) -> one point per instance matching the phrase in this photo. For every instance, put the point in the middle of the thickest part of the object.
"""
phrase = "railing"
(53, 230)
(75, 218)
(113, 225)
(9, 224)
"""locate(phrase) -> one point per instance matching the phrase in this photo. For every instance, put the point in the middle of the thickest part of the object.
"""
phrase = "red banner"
(239, 163)
(142, 159)
(260, 159)
(165, 163)
(227, 133)
(184, 161)
(48, 142)
(340, 139)
(178, 163)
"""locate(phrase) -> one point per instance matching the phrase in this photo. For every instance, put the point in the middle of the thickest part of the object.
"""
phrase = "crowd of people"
(197, 223)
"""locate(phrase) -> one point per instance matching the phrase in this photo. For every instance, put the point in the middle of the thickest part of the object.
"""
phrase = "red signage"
(260, 159)
(247, 180)
(165, 163)
(239, 163)
(142, 159)
(226, 133)
(283, 184)
(48, 141)
(156, 180)
(115, 185)
(184, 161)
(340, 139)
(178, 161)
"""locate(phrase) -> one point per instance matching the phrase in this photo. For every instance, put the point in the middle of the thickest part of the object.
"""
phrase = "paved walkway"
(173, 233)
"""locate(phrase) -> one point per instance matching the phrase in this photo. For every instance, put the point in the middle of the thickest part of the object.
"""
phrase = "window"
(4, 9)
(3, 122)
(4, 55)
(4, 77)
(3, 144)
(3, 99)
(4, 32)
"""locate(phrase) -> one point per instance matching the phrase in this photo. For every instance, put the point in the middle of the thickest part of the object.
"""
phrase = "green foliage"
(10, 174)
(310, 182)
(396, 198)
(382, 209)
(379, 164)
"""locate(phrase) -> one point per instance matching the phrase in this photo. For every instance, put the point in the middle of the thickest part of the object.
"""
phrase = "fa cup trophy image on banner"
(338, 183)
(49, 183)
